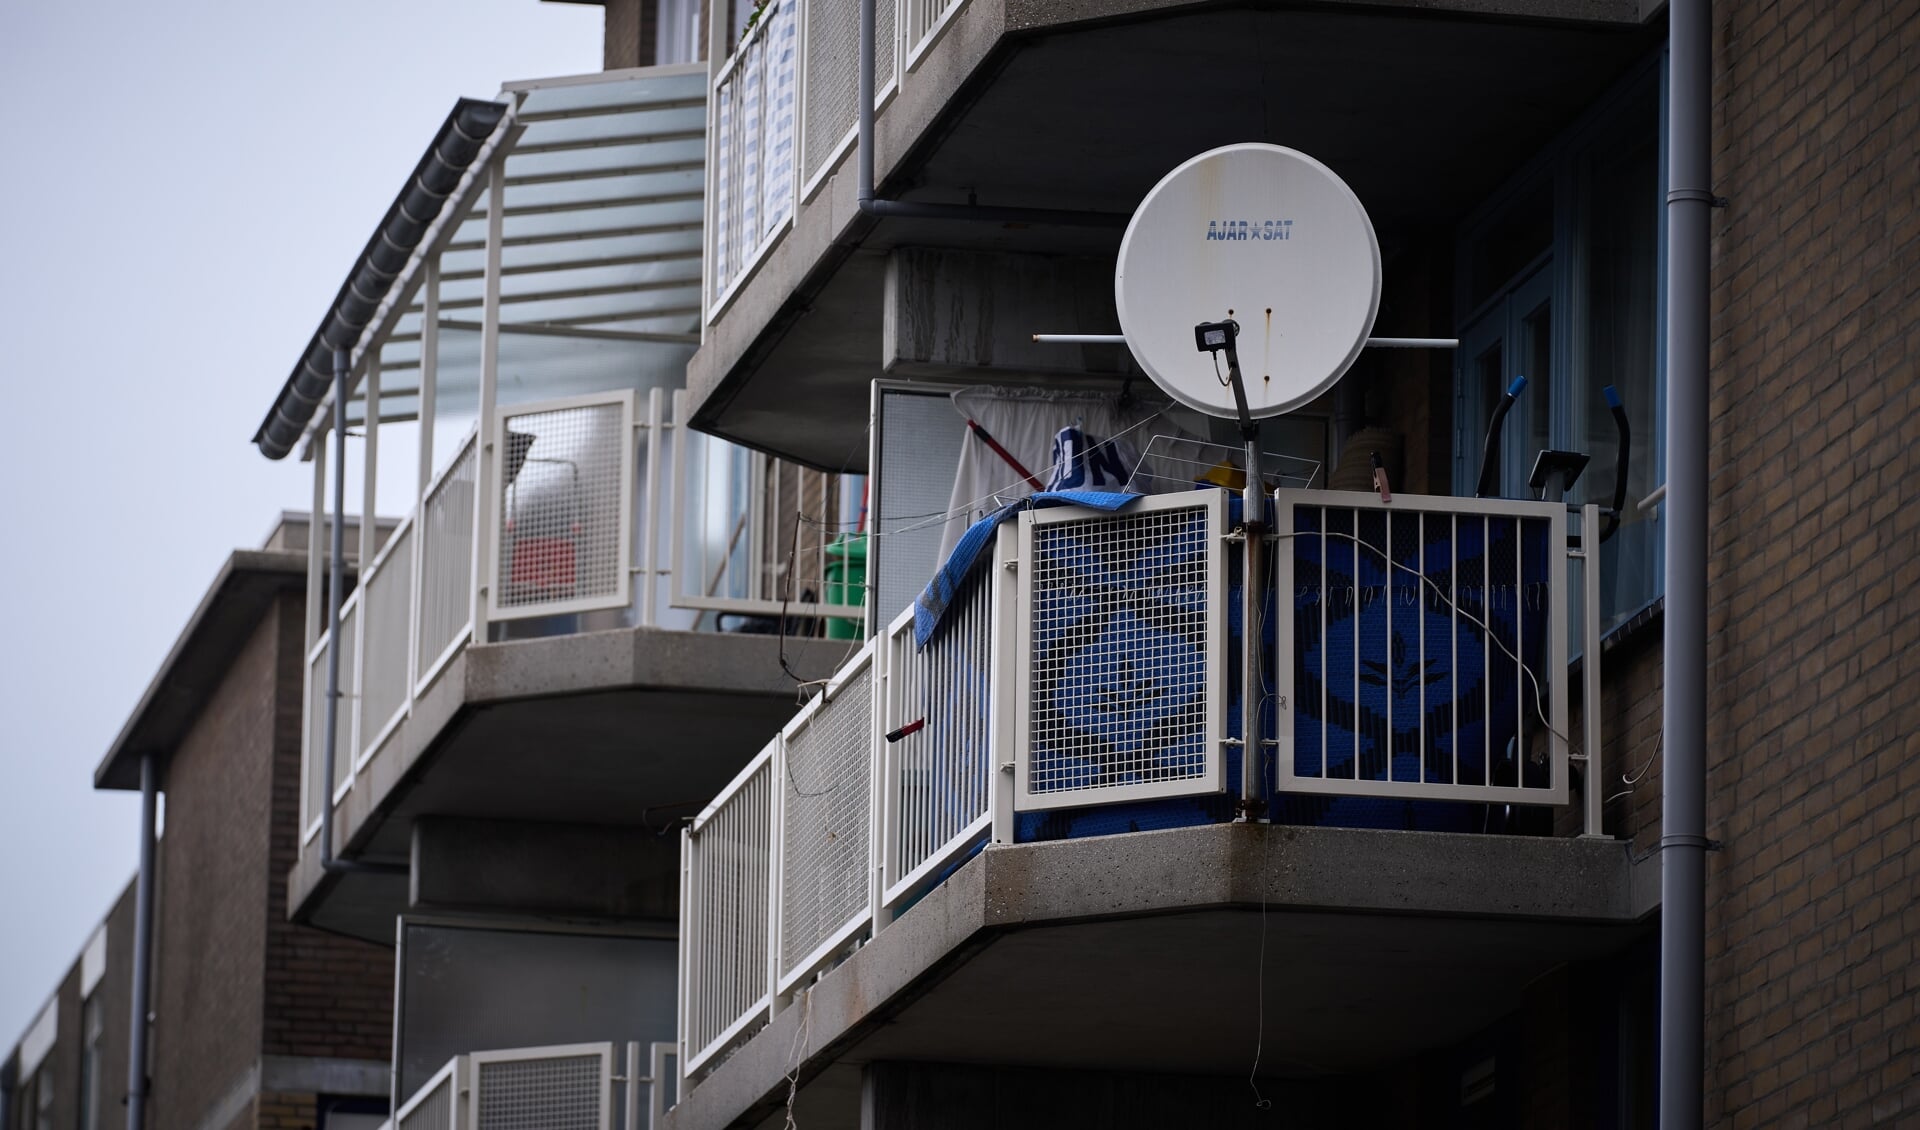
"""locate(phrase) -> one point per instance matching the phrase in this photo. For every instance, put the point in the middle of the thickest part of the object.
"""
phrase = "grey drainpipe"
(142, 946)
(1683, 812)
(336, 581)
(871, 205)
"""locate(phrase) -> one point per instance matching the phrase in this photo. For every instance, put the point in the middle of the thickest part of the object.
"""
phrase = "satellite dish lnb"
(1260, 235)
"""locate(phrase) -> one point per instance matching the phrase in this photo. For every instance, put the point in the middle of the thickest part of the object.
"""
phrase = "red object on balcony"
(543, 564)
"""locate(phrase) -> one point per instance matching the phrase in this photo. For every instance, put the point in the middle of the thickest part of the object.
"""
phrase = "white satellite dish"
(1264, 236)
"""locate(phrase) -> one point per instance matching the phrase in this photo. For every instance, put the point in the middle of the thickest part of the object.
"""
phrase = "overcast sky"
(183, 186)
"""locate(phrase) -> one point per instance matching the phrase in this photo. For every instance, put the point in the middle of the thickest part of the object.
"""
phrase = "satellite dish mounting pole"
(1222, 337)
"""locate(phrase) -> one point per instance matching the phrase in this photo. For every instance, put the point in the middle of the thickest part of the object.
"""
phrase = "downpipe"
(1683, 840)
(872, 205)
(336, 582)
(137, 1081)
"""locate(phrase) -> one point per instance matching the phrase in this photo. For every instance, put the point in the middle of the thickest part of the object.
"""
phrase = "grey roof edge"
(229, 609)
(431, 185)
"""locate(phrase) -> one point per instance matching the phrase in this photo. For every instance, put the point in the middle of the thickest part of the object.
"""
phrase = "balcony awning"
(600, 258)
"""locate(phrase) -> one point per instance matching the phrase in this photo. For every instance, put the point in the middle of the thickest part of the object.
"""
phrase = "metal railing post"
(484, 539)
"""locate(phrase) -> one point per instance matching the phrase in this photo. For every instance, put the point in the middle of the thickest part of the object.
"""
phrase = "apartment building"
(252, 1019)
(652, 811)
(885, 920)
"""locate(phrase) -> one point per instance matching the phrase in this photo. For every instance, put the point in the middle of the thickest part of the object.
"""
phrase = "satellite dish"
(1264, 236)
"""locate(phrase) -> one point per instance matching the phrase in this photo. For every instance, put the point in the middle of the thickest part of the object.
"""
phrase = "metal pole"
(142, 947)
(1683, 839)
(336, 581)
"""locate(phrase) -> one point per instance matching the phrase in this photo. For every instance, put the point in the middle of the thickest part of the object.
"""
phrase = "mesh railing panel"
(942, 770)
(753, 151)
(446, 558)
(388, 599)
(316, 791)
(823, 870)
(1409, 632)
(560, 1093)
(562, 515)
(833, 78)
(725, 934)
(1119, 645)
(922, 15)
(434, 1111)
(317, 715)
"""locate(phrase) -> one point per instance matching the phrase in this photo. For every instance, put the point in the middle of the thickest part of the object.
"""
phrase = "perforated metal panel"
(825, 823)
(446, 558)
(385, 687)
(1123, 659)
(314, 793)
(434, 1106)
(723, 926)
(542, 1089)
(940, 775)
(833, 76)
(564, 483)
(1423, 651)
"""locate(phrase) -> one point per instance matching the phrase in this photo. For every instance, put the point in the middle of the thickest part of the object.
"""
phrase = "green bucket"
(846, 582)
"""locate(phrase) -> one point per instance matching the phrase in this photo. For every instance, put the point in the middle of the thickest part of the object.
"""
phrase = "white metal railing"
(563, 481)
(824, 770)
(761, 536)
(573, 519)
(386, 642)
(440, 1104)
(1090, 665)
(596, 1086)
(753, 128)
(1427, 657)
(937, 703)
(445, 607)
(555, 1088)
(783, 113)
(1121, 669)
(726, 892)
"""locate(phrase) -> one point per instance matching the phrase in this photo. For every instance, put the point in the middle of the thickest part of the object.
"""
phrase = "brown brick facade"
(1814, 720)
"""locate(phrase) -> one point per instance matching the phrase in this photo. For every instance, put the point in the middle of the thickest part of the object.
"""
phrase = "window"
(1559, 276)
(43, 1097)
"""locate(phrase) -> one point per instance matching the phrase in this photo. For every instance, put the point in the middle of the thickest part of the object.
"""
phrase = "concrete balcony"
(1028, 831)
(1083, 106)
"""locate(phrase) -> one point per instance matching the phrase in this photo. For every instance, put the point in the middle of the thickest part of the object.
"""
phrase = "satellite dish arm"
(1488, 483)
(1620, 461)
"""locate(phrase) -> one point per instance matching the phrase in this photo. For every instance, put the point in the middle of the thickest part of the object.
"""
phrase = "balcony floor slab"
(1158, 950)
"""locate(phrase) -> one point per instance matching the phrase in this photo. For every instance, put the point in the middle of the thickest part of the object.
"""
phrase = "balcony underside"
(1422, 114)
(1147, 952)
(629, 728)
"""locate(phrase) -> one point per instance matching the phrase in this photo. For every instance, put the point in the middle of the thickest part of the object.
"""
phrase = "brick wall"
(1814, 580)
(274, 1110)
(326, 995)
(211, 914)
